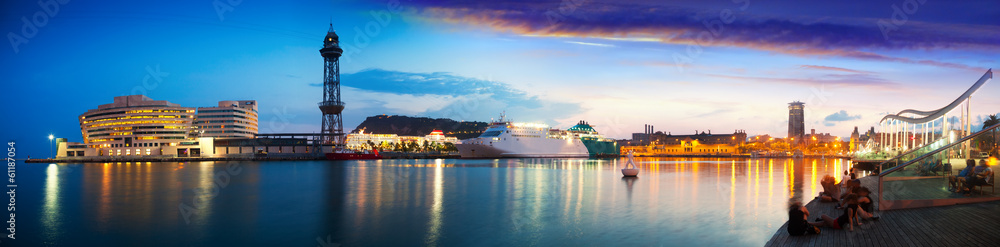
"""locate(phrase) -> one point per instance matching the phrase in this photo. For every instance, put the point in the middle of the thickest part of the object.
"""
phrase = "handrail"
(940, 112)
(908, 152)
(936, 151)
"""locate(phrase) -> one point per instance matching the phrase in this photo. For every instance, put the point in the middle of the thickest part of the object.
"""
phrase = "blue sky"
(616, 64)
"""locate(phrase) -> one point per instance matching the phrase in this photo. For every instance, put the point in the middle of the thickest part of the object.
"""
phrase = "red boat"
(353, 155)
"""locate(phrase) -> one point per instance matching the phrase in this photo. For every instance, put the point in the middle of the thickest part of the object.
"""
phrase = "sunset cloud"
(706, 25)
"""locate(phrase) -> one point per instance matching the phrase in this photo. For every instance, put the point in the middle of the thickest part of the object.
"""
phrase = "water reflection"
(52, 214)
(629, 183)
(679, 201)
(434, 228)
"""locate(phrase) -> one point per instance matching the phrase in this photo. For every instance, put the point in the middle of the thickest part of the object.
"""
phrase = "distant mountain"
(420, 126)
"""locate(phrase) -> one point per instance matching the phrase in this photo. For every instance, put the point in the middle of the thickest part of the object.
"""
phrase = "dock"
(971, 224)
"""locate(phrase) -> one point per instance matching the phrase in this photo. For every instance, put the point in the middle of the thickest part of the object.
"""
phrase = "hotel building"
(231, 119)
(135, 125)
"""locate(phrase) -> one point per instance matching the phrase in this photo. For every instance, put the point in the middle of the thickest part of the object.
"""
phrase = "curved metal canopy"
(935, 114)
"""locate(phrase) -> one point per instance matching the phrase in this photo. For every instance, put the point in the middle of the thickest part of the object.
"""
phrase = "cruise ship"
(505, 139)
(597, 145)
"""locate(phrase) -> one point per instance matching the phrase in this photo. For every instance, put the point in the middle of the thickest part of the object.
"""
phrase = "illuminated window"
(128, 151)
(147, 151)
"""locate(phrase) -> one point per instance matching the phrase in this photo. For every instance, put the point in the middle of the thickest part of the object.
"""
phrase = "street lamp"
(50, 145)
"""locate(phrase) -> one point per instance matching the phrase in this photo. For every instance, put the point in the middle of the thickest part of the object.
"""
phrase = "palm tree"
(992, 120)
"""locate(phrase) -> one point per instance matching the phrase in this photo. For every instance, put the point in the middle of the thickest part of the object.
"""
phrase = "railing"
(330, 103)
(913, 153)
(922, 178)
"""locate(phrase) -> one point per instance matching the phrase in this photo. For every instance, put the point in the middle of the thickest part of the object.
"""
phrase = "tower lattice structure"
(332, 106)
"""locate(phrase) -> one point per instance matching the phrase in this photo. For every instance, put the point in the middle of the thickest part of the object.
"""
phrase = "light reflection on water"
(674, 201)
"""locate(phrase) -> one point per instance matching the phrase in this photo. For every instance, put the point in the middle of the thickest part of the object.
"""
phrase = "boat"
(630, 169)
(343, 154)
(507, 139)
(597, 145)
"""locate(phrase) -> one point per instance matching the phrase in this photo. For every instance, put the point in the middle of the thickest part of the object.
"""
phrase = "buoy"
(630, 169)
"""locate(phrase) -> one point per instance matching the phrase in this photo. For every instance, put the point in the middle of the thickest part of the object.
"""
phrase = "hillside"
(420, 126)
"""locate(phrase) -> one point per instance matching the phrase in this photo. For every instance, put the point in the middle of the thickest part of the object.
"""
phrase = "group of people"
(850, 196)
(971, 177)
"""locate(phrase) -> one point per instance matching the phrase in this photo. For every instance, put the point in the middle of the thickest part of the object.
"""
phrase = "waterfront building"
(703, 143)
(231, 119)
(796, 120)
(761, 138)
(358, 141)
(135, 125)
(855, 139)
(814, 137)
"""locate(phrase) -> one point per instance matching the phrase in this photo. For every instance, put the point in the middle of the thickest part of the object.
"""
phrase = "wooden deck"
(958, 225)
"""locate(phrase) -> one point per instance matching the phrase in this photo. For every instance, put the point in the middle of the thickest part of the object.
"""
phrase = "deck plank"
(957, 225)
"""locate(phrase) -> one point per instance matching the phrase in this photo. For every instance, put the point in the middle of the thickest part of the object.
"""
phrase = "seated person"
(797, 220)
(929, 166)
(957, 182)
(830, 191)
(843, 180)
(865, 204)
(852, 185)
(849, 217)
(980, 175)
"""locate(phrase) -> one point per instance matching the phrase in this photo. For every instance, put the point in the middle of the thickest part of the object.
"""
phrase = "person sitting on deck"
(957, 182)
(980, 175)
(849, 217)
(798, 223)
(830, 191)
(844, 179)
(852, 186)
(865, 204)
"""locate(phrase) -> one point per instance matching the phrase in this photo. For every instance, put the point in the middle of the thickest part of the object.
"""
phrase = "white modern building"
(136, 126)
(231, 119)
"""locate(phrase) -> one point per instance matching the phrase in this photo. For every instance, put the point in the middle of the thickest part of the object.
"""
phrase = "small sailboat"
(630, 169)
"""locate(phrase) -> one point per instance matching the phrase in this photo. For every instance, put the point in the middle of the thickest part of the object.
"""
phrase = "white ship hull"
(503, 139)
(523, 148)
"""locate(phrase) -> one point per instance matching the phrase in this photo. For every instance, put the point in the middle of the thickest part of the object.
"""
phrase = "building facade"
(361, 140)
(698, 144)
(135, 125)
(796, 120)
(231, 119)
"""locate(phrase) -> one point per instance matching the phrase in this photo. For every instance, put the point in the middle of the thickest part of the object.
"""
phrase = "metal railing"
(924, 180)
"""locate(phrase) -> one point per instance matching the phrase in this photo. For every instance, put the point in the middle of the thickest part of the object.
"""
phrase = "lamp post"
(50, 145)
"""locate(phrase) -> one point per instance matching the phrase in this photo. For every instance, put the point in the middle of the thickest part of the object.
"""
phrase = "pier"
(972, 224)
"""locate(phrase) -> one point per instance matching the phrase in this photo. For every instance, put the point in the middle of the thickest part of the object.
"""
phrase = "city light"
(50, 144)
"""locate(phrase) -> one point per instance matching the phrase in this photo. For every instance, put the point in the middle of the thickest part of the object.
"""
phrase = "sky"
(682, 66)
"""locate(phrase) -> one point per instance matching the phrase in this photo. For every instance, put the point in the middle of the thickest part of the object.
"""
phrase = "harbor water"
(449, 202)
